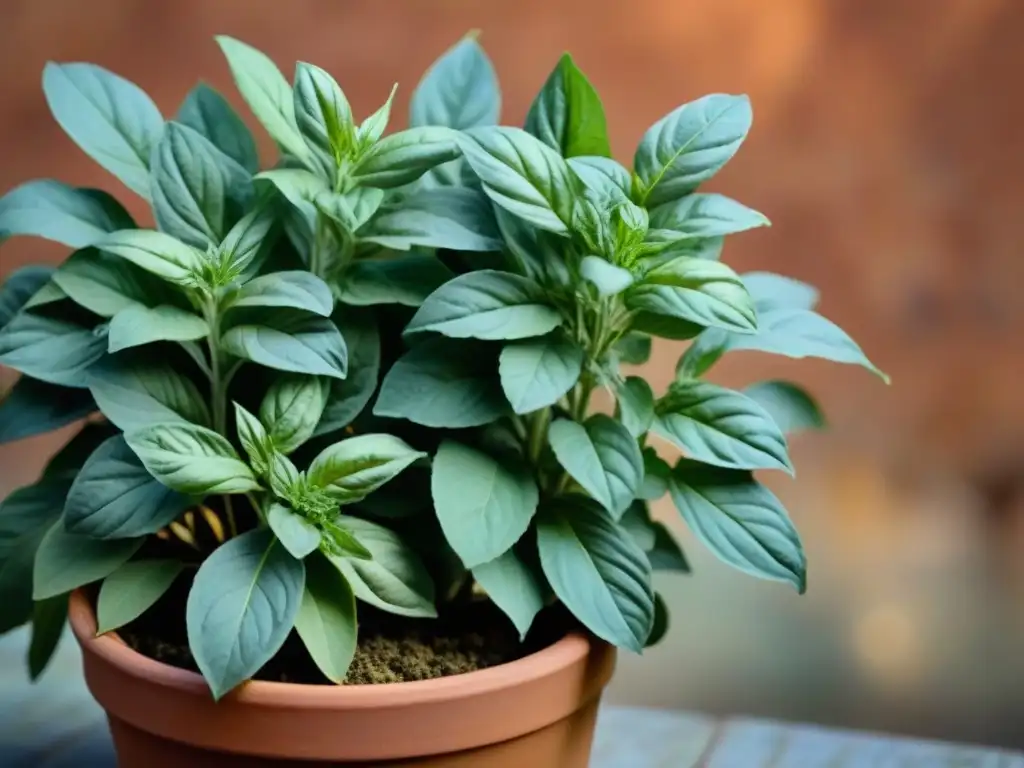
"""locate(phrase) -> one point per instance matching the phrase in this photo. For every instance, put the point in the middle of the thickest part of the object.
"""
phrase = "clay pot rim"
(571, 649)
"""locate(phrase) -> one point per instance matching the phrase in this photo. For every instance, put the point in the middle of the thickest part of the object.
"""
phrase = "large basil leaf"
(688, 146)
(598, 572)
(206, 111)
(635, 405)
(458, 219)
(721, 427)
(514, 587)
(136, 394)
(132, 589)
(105, 284)
(110, 118)
(696, 290)
(51, 350)
(460, 90)
(295, 289)
(403, 157)
(55, 211)
(191, 459)
(602, 456)
(298, 535)
(740, 521)
(522, 175)
(32, 407)
(699, 216)
(605, 181)
(484, 505)
(443, 384)
(25, 516)
(156, 252)
(487, 304)
(114, 497)
(18, 290)
(395, 580)
(137, 325)
(790, 406)
(406, 280)
(354, 468)
(326, 620)
(198, 191)
(536, 373)
(241, 607)
(323, 116)
(567, 114)
(347, 397)
(48, 619)
(66, 561)
(267, 93)
(771, 291)
(294, 343)
(292, 408)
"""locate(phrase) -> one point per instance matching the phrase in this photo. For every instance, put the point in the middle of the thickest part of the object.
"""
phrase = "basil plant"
(365, 373)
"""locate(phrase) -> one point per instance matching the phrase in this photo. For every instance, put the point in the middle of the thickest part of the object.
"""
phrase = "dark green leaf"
(406, 280)
(66, 561)
(346, 398)
(634, 348)
(210, 114)
(32, 407)
(458, 219)
(69, 460)
(635, 402)
(48, 619)
(354, 468)
(295, 343)
(460, 90)
(536, 373)
(326, 620)
(660, 626)
(137, 325)
(665, 554)
(601, 456)
(567, 114)
(539, 255)
(605, 276)
(135, 394)
(656, 472)
(132, 589)
(353, 209)
(790, 406)
(298, 535)
(373, 127)
(19, 288)
(514, 587)
(51, 350)
(54, 211)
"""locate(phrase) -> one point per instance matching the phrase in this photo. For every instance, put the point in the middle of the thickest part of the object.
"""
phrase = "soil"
(391, 648)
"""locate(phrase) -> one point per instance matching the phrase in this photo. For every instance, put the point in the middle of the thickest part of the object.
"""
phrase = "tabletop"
(56, 724)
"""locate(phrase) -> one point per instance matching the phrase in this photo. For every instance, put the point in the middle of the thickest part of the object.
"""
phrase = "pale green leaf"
(105, 284)
(605, 181)
(136, 325)
(294, 343)
(346, 398)
(292, 408)
(298, 535)
(133, 395)
(51, 350)
(790, 406)
(537, 372)
(455, 218)
(66, 561)
(132, 589)
(406, 280)
(326, 620)
(155, 252)
(514, 588)
(206, 111)
(352, 209)
(702, 216)
(54, 211)
(635, 405)
(608, 278)
(354, 468)
(771, 291)
(459, 90)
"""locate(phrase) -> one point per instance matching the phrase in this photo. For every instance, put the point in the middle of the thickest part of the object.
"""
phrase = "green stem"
(538, 432)
(218, 392)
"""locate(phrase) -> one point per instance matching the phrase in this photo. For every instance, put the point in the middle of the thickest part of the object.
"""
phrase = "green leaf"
(688, 146)
(567, 114)
(665, 554)
(241, 608)
(771, 291)
(352, 469)
(25, 516)
(132, 589)
(198, 191)
(105, 284)
(656, 472)
(32, 407)
(598, 573)
(206, 111)
(660, 627)
(48, 619)
(299, 344)
(155, 252)
(283, 476)
(267, 93)
(298, 535)
(514, 588)
(137, 325)
(19, 288)
(701, 216)
(114, 497)
(406, 280)
(254, 440)
(458, 219)
(790, 406)
(538, 254)
(637, 521)
(343, 541)
(323, 116)
(292, 408)
(721, 427)
(602, 456)
(696, 290)
(300, 187)
(353, 209)
(395, 580)
(740, 521)
(487, 304)
(246, 245)
(608, 278)
(66, 561)
(403, 157)
(522, 175)
(51, 350)
(326, 620)
(346, 398)
(443, 384)
(536, 373)
(191, 459)
(635, 402)
(296, 289)
(703, 353)
(136, 394)
(634, 348)
(484, 506)
(110, 118)
(460, 90)
(605, 181)
(53, 210)
(373, 127)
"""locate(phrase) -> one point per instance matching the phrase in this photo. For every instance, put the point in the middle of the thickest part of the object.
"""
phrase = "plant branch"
(219, 380)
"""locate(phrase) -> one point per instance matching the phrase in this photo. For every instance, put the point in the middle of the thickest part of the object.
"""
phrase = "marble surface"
(54, 723)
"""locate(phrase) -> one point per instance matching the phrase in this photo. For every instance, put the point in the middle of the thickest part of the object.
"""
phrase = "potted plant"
(365, 383)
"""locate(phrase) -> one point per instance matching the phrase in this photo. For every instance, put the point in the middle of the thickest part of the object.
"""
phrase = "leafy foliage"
(376, 353)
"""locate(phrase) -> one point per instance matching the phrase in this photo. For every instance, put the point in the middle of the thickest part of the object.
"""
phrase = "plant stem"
(538, 431)
(218, 393)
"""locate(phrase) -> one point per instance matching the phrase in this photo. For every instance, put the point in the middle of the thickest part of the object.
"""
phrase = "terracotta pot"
(537, 711)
